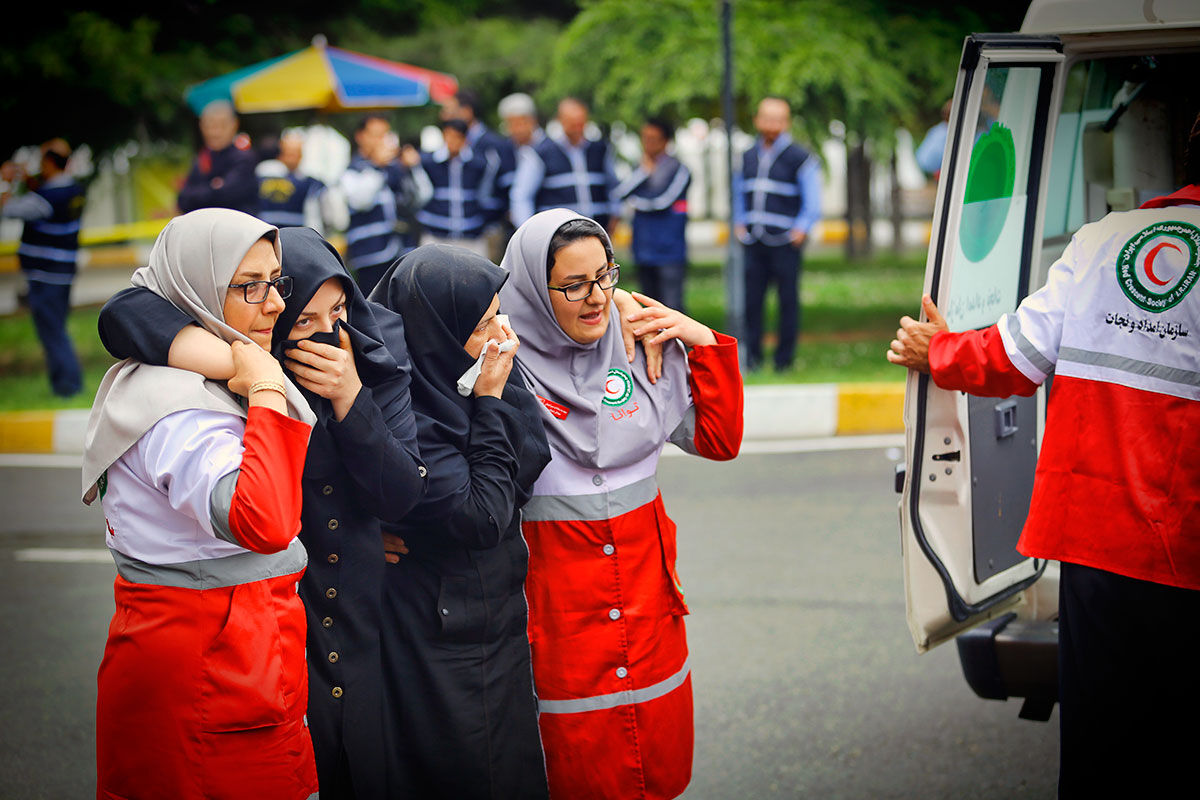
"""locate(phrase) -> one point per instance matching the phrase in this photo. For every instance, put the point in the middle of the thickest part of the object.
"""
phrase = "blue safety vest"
(372, 237)
(772, 193)
(459, 187)
(562, 187)
(49, 247)
(487, 143)
(281, 198)
(659, 201)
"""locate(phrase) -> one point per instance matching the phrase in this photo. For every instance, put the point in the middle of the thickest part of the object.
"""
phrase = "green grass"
(850, 313)
(23, 382)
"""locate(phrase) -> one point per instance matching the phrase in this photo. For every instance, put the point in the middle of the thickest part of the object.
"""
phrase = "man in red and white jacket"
(1116, 496)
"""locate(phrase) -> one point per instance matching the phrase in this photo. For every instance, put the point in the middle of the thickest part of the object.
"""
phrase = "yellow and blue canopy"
(324, 78)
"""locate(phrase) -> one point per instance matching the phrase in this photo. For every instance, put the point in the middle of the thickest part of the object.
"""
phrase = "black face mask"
(332, 337)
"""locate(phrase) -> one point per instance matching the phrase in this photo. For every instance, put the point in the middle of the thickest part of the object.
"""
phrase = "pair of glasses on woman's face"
(579, 291)
(257, 291)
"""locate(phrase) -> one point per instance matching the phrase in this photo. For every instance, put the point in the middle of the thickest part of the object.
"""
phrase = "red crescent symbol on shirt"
(1150, 261)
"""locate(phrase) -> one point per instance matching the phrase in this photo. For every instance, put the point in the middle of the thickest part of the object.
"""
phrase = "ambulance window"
(1071, 201)
(990, 248)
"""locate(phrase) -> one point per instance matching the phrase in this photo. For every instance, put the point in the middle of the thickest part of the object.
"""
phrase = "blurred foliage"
(872, 64)
(104, 72)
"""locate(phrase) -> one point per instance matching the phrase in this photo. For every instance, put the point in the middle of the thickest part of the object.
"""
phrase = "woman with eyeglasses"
(202, 689)
(362, 467)
(606, 607)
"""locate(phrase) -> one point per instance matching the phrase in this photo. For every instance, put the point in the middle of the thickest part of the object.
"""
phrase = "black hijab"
(442, 292)
(310, 261)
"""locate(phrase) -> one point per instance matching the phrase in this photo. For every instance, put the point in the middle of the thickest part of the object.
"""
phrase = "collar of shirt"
(781, 142)
(62, 179)
(475, 132)
(443, 154)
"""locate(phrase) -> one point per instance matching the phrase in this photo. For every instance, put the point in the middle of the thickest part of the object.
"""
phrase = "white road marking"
(64, 555)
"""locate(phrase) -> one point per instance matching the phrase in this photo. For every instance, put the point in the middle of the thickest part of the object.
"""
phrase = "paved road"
(806, 681)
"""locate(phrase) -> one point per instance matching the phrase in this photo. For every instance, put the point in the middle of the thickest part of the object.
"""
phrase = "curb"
(786, 411)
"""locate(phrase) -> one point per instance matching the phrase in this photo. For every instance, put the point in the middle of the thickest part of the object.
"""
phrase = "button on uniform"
(422, 471)
(336, 691)
(609, 549)
(597, 480)
(331, 593)
(333, 558)
(614, 614)
(622, 672)
(333, 657)
(333, 524)
(327, 622)
(327, 490)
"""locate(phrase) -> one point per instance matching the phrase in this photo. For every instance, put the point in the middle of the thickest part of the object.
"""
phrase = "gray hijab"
(614, 416)
(191, 264)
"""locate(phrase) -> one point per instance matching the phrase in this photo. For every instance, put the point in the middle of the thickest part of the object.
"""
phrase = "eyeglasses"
(257, 291)
(578, 291)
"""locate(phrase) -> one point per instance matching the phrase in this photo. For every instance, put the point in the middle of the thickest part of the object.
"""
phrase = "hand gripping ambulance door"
(970, 461)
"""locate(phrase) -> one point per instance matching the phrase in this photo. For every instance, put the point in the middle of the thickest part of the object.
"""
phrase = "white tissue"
(466, 384)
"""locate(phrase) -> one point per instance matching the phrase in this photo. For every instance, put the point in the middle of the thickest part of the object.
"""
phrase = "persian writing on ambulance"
(1151, 327)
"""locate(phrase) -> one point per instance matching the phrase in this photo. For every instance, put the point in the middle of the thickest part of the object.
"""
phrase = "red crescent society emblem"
(1150, 261)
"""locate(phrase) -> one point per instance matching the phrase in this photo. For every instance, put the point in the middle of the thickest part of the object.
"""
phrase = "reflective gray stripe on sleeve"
(684, 435)
(214, 573)
(623, 698)
(1185, 377)
(1026, 348)
(219, 503)
(590, 507)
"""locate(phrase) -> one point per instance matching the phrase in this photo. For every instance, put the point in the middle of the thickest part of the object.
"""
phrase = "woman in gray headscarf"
(605, 605)
(202, 689)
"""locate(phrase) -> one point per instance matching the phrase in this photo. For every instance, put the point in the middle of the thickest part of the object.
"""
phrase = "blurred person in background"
(776, 201)
(657, 190)
(520, 120)
(222, 176)
(462, 181)
(492, 147)
(571, 171)
(384, 186)
(290, 198)
(51, 210)
(929, 151)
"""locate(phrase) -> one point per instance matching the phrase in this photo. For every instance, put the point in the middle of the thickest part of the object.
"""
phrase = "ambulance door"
(970, 461)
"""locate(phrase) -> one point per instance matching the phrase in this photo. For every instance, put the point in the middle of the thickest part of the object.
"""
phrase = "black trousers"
(663, 282)
(767, 264)
(1128, 668)
(50, 303)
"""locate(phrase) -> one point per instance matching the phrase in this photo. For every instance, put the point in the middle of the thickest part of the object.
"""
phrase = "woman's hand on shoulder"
(627, 306)
(327, 371)
(661, 324)
(254, 366)
(496, 367)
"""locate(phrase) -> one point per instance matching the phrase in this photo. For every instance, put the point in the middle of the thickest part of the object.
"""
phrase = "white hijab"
(191, 264)
(573, 376)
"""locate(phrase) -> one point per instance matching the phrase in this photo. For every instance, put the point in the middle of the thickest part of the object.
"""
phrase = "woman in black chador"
(459, 685)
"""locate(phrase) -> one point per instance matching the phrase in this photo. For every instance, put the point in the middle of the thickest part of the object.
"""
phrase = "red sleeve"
(264, 514)
(716, 383)
(976, 362)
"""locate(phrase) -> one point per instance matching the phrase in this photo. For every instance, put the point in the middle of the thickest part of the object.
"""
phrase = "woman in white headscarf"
(605, 605)
(202, 689)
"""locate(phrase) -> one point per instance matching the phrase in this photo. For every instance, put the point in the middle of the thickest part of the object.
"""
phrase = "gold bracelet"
(268, 386)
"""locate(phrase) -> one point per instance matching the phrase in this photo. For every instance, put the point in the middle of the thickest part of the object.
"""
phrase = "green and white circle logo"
(1160, 265)
(618, 387)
